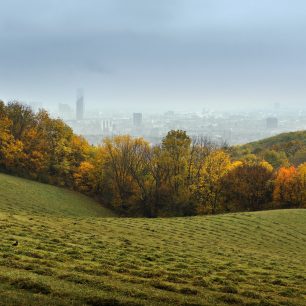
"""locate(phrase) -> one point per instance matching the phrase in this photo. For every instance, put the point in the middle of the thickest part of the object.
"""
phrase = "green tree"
(276, 158)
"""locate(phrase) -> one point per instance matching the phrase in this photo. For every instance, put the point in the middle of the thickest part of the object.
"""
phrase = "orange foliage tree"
(286, 187)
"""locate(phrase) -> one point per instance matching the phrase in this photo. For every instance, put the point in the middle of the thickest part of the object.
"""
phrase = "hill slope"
(279, 140)
(277, 149)
(243, 259)
(20, 196)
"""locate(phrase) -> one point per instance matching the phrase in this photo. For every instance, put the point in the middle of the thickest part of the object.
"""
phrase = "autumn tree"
(22, 118)
(248, 186)
(201, 148)
(276, 158)
(209, 187)
(57, 139)
(141, 172)
(10, 148)
(287, 190)
(123, 166)
(299, 157)
(301, 178)
(33, 145)
(84, 177)
(174, 162)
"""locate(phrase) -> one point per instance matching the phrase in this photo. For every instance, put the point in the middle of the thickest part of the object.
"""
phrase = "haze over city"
(154, 55)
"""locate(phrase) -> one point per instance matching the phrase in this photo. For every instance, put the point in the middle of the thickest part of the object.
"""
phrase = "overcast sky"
(157, 54)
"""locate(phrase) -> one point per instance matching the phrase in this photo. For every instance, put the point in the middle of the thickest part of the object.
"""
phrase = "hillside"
(243, 259)
(278, 140)
(20, 196)
(278, 150)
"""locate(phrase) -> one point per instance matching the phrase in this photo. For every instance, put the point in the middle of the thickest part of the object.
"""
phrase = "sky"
(140, 55)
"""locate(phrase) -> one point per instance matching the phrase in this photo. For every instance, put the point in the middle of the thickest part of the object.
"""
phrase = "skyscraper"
(137, 119)
(271, 123)
(80, 106)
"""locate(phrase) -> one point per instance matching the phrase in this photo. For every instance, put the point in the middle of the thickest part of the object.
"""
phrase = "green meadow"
(72, 251)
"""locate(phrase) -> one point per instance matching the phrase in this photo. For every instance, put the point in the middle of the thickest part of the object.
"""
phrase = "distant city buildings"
(137, 119)
(107, 126)
(80, 106)
(271, 123)
(65, 111)
(221, 126)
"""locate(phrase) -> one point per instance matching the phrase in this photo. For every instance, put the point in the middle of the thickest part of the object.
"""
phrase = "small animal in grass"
(15, 243)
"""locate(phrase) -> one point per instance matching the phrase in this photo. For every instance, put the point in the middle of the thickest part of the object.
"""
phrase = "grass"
(80, 258)
(25, 196)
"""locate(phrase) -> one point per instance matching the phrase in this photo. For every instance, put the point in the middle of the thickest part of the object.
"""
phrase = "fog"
(154, 55)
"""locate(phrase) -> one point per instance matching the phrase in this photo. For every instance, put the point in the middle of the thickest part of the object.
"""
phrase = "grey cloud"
(166, 52)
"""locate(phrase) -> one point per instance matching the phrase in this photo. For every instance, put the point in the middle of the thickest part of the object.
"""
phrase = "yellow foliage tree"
(84, 177)
(208, 189)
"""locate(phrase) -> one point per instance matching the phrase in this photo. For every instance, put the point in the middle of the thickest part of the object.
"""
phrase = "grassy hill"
(21, 196)
(83, 259)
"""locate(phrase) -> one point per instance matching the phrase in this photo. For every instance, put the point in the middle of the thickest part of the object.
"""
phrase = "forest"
(182, 176)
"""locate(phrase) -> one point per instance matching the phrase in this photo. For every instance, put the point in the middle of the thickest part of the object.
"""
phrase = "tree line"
(181, 176)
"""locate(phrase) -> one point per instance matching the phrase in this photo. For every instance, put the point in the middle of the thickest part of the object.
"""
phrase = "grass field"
(79, 258)
(21, 196)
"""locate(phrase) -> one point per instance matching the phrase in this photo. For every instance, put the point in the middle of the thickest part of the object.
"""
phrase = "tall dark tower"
(137, 119)
(80, 105)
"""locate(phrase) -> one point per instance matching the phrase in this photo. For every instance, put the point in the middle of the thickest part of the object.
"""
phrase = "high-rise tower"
(137, 119)
(80, 105)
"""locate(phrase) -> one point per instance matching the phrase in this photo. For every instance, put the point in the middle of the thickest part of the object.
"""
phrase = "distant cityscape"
(233, 127)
